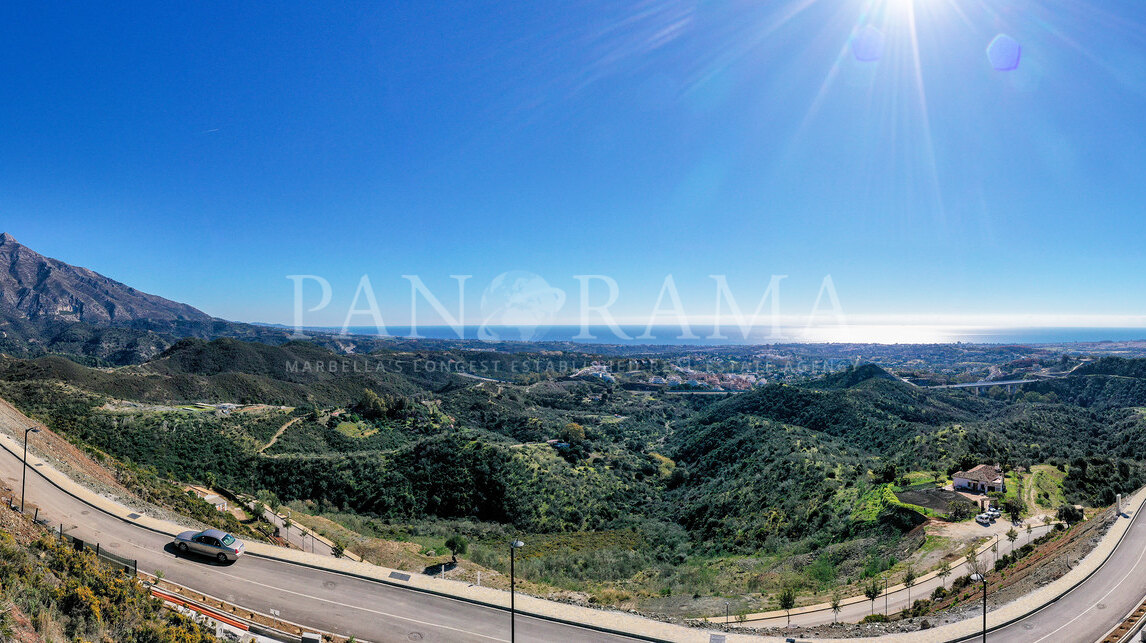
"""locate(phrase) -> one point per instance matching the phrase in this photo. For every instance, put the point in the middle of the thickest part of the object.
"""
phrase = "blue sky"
(204, 152)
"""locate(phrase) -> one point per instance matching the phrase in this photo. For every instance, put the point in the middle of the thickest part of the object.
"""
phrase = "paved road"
(323, 600)
(985, 384)
(376, 612)
(1093, 608)
(1085, 614)
(897, 600)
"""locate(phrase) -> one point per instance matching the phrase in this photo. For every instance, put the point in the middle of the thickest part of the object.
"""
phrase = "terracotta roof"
(987, 473)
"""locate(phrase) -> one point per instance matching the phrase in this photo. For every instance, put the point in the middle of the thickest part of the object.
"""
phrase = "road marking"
(1104, 596)
(362, 609)
(215, 571)
(66, 499)
(353, 607)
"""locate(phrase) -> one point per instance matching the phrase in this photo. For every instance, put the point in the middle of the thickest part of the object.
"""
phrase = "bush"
(875, 618)
(1070, 514)
(918, 608)
(457, 544)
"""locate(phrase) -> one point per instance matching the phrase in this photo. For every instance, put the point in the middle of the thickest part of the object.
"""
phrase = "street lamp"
(513, 547)
(24, 469)
(980, 578)
(884, 577)
(726, 619)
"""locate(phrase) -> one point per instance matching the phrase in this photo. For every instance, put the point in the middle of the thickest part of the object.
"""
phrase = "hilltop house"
(984, 477)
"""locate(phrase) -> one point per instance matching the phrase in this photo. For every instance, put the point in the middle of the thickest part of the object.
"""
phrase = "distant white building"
(984, 477)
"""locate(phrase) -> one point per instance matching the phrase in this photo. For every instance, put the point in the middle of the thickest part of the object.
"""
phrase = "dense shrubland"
(678, 485)
(71, 595)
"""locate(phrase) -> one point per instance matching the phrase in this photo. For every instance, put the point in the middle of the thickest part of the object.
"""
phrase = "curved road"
(1096, 606)
(323, 600)
(1083, 615)
(895, 600)
(377, 612)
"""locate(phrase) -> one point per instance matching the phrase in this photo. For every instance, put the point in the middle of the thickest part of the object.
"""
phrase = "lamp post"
(726, 619)
(24, 469)
(513, 547)
(983, 579)
(884, 594)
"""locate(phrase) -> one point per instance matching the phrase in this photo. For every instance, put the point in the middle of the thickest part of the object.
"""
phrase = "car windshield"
(228, 540)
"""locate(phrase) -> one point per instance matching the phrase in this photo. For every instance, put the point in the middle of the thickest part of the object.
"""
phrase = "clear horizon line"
(929, 321)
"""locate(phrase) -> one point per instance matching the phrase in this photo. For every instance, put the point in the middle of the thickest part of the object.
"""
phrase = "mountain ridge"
(38, 288)
(50, 307)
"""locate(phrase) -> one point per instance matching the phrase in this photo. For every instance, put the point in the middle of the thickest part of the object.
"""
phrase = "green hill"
(778, 471)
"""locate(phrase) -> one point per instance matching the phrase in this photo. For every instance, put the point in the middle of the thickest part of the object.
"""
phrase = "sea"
(699, 335)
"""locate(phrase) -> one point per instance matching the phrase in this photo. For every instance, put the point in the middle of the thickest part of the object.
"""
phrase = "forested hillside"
(781, 469)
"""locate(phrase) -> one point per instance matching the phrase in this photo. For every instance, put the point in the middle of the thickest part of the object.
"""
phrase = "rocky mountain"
(50, 307)
(37, 288)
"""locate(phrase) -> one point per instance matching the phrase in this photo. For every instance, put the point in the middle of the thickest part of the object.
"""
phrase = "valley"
(665, 504)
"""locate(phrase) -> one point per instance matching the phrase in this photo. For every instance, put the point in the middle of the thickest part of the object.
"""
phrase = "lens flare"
(1004, 53)
(867, 44)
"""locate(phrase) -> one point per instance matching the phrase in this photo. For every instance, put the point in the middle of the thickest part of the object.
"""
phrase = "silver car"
(217, 544)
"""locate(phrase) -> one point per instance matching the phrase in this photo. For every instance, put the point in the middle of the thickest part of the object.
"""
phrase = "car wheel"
(222, 558)
(183, 548)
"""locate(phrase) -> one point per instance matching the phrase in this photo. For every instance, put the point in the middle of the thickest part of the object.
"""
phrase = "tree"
(1012, 535)
(457, 545)
(212, 479)
(371, 406)
(1070, 514)
(1013, 507)
(908, 581)
(836, 605)
(573, 433)
(1029, 530)
(337, 550)
(974, 564)
(871, 591)
(787, 600)
(944, 572)
(888, 472)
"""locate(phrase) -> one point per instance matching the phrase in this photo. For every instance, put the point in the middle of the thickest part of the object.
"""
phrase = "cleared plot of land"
(356, 430)
(1044, 487)
(934, 498)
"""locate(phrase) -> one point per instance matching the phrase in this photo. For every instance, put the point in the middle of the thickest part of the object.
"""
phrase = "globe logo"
(518, 300)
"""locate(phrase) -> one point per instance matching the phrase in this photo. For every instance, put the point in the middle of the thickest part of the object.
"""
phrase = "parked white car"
(983, 519)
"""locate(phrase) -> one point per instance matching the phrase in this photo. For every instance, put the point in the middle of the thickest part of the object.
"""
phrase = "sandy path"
(277, 434)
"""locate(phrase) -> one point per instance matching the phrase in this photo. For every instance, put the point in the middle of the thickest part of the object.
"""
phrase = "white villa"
(984, 477)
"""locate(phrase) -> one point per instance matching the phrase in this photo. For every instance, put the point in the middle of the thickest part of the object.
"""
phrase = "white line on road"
(363, 609)
(1104, 596)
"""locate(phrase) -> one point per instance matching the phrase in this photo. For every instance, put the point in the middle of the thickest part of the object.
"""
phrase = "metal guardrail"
(127, 565)
(1129, 627)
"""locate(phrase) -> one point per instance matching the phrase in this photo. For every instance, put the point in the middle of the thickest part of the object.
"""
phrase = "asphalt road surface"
(376, 612)
(1093, 608)
(897, 600)
(323, 600)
